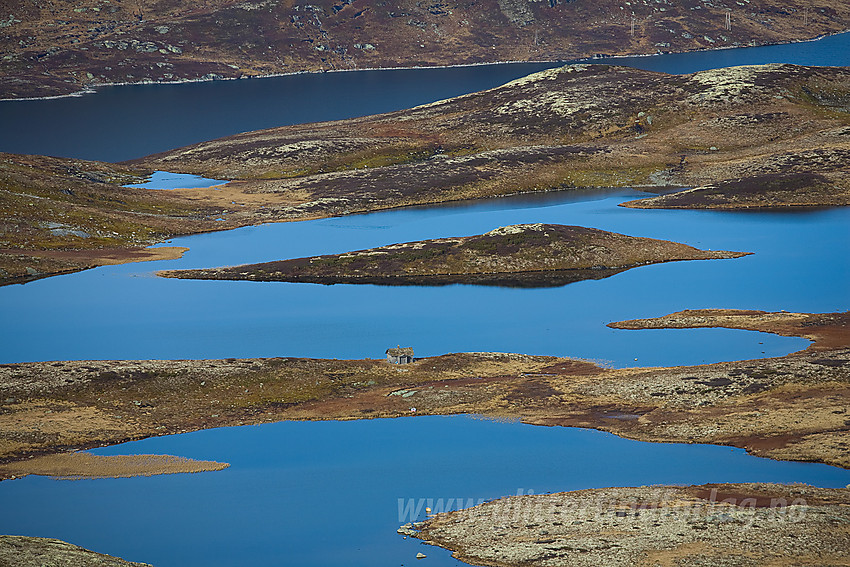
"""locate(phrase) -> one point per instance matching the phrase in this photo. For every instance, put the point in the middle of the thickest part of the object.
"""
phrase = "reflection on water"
(329, 493)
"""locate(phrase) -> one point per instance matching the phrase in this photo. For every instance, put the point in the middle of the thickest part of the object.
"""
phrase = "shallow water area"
(333, 493)
(166, 180)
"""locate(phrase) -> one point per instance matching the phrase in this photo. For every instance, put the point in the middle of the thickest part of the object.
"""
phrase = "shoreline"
(92, 89)
(89, 259)
(792, 407)
(751, 523)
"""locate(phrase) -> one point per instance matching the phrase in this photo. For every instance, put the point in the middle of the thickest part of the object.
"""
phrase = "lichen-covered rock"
(738, 525)
(23, 551)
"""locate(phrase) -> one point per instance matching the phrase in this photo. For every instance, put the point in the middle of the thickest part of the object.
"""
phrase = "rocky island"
(755, 137)
(529, 255)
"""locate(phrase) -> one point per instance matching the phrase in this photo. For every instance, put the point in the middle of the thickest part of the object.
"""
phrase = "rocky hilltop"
(777, 134)
(530, 255)
(54, 48)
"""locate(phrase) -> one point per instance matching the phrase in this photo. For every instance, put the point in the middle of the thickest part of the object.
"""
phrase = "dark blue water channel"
(129, 121)
(327, 493)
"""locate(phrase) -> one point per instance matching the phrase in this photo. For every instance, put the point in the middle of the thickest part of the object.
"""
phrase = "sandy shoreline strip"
(77, 465)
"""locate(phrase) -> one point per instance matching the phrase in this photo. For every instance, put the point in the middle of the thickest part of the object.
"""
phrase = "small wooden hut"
(400, 355)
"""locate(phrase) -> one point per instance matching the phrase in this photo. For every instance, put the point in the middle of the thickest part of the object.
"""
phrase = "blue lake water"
(164, 180)
(130, 121)
(327, 493)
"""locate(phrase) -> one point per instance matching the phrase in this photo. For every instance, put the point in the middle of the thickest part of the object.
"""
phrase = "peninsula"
(23, 551)
(528, 255)
(65, 215)
(792, 407)
(710, 525)
(769, 136)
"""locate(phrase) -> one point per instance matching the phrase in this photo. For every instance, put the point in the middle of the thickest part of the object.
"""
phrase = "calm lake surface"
(165, 181)
(326, 493)
(130, 121)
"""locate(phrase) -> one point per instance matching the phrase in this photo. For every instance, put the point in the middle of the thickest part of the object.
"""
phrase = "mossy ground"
(51, 205)
(572, 127)
(575, 127)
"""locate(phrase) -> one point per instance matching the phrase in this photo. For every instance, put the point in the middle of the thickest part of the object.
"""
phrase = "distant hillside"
(761, 136)
(51, 48)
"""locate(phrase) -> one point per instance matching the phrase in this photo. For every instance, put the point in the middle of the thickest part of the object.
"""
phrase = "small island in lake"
(524, 255)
